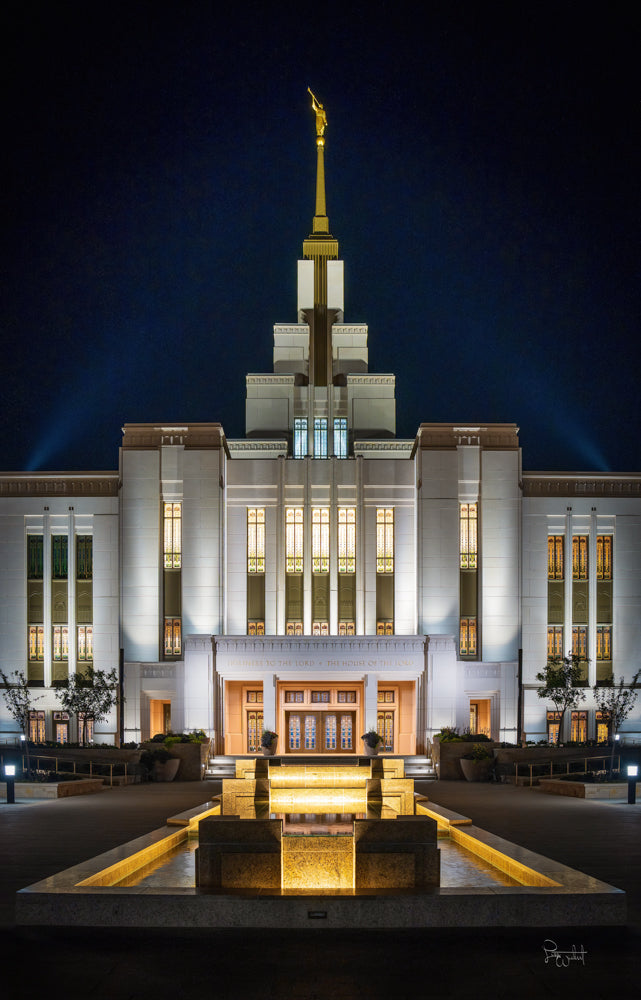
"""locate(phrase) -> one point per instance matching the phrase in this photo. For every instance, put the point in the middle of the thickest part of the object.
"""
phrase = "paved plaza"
(40, 838)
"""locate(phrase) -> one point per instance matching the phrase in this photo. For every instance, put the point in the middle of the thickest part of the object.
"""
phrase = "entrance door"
(320, 732)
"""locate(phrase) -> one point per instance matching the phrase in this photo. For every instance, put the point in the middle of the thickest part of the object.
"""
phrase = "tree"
(615, 702)
(90, 695)
(562, 679)
(19, 699)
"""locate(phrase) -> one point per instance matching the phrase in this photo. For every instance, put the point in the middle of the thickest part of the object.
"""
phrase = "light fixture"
(10, 770)
(633, 770)
(10, 775)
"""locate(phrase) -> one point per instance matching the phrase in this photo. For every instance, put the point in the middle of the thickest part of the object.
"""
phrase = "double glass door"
(320, 732)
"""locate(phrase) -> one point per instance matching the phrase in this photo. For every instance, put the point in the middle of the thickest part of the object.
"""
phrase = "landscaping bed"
(53, 789)
(578, 789)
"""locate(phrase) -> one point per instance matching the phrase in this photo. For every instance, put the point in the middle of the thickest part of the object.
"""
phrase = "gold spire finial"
(321, 118)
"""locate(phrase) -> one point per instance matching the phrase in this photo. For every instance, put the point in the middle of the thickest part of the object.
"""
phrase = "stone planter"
(166, 771)
(270, 750)
(371, 751)
(476, 770)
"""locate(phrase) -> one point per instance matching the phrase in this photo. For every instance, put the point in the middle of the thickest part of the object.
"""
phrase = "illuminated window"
(294, 628)
(555, 642)
(59, 550)
(85, 728)
(85, 642)
(254, 731)
(60, 642)
(580, 557)
(310, 732)
(468, 535)
(256, 627)
(295, 697)
(330, 732)
(467, 637)
(602, 727)
(580, 641)
(340, 437)
(320, 697)
(604, 642)
(347, 731)
(255, 539)
(61, 727)
(294, 539)
(347, 628)
(320, 437)
(293, 734)
(255, 697)
(320, 628)
(555, 557)
(320, 539)
(37, 727)
(346, 697)
(553, 726)
(347, 539)
(385, 696)
(34, 557)
(384, 539)
(604, 557)
(300, 437)
(384, 627)
(84, 557)
(385, 729)
(172, 535)
(579, 727)
(36, 636)
(173, 644)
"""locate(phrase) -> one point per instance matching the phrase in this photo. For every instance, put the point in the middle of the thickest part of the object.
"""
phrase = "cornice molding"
(198, 436)
(59, 484)
(500, 437)
(580, 484)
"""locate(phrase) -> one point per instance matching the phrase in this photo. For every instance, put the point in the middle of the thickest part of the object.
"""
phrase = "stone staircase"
(224, 766)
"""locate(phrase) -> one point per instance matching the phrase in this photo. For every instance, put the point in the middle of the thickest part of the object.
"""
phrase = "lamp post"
(10, 778)
(633, 770)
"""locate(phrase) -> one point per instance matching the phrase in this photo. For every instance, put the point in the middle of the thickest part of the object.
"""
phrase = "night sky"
(483, 171)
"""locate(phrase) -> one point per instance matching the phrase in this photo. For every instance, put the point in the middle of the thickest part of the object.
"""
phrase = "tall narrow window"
(320, 540)
(173, 535)
(468, 535)
(85, 642)
(255, 539)
(340, 437)
(84, 557)
(36, 635)
(346, 539)
(320, 437)
(555, 557)
(580, 641)
(555, 642)
(604, 557)
(60, 642)
(173, 643)
(604, 642)
(467, 637)
(579, 727)
(384, 539)
(294, 539)
(580, 557)
(37, 727)
(300, 437)
(59, 549)
(34, 557)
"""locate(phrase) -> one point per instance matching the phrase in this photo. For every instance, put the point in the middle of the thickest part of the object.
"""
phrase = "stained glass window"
(347, 732)
(346, 628)
(85, 728)
(602, 727)
(580, 641)
(555, 557)
(346, 697)
(256, 627)
(310, 732)
(320, 628)
(580, 557)
(330, 732)
(385, 696)
(467, 637)
(294, 539)
(604, 642)
(172, 535)
(255, 697)
(294, 628)
(384, 539)
(468, 522)
(34, 557)
(604, 557)
(255, 539)
(347, 540)
(554, 726)
(384, 628)
(555, 642)
(173, 643)
(59, 557)
(36, 637)
(340, 437)
(320, 539)
(37, 727)
(85, 642)
(300, 437)
(61, 642)
(579, 727)
(320, 437)
(295, 697)
(254, 731)
(320, 697)
(385, 728)
(293, 734)
(84, 557)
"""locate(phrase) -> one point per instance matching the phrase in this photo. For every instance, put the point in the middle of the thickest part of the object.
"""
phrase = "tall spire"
(321, 222)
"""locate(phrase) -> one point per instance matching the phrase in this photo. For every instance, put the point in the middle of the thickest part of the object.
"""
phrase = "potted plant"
(160, 764)
(268, 741)
(371, 742)
(477, 765)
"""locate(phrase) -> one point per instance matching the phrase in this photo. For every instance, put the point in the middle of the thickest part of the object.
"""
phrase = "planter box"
(192, 756)
(53, 789)
(448, 757)
(587, 790)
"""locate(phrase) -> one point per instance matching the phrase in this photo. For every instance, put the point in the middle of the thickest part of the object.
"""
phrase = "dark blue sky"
(482, 178)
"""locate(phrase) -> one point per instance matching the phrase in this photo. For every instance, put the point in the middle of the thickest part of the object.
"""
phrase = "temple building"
(320, 576)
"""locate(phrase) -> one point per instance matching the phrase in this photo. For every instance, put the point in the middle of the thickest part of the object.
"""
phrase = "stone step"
(225, 766)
